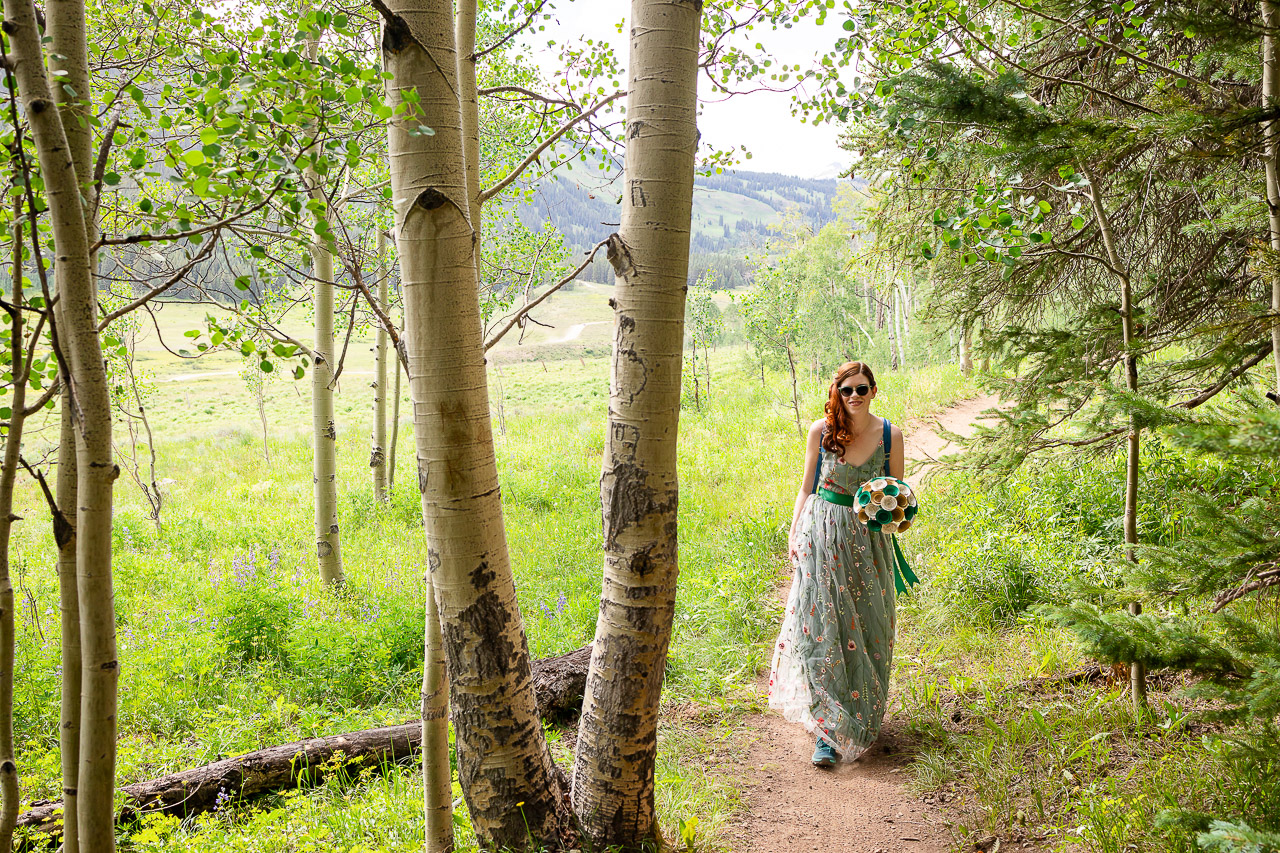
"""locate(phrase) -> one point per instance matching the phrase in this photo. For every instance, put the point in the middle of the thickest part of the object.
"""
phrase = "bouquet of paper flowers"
(885, 505)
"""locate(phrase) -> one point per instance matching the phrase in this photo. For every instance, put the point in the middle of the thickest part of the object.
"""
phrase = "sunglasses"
(850, 390)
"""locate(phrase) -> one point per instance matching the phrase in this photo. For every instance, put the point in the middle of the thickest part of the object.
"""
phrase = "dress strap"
(888, 444)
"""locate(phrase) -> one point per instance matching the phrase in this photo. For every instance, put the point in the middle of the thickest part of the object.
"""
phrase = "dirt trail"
(858, 807)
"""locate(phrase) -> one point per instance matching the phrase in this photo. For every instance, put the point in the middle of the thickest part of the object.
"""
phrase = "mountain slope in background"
(732, 213)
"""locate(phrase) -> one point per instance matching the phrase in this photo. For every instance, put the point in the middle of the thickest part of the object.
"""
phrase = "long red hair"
(839, 432)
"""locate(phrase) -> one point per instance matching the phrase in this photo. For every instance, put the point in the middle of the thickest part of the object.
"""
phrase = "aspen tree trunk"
(465, 39)
(900, 323)
(437, 775)
(324, 465)
(1137, 669)
(613, 784)
(96, 472)
(395, 428)
(323, 426)
(68, 47)
(502, 756)
(904, 302)
(1271, 159)
(795, 387)
(966, 352)
(893, 336)
(9, 799)
(377, 455)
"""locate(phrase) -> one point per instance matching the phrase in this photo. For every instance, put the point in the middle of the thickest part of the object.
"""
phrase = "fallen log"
(558, 682)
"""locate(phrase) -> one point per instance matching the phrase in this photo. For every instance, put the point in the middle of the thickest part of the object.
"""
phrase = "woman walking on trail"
(832, 661)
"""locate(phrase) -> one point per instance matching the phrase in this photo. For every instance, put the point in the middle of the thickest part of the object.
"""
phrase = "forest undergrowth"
(1010, 745)
(229, 643)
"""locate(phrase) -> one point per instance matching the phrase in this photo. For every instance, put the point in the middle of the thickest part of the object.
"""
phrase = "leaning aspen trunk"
(69, 57)
(437, 775)
(96, 472)
(9, 799)
(613, 779)
(1271, 135)
(377, 453)
(502, 756)
(1137, 669)
(323, 425)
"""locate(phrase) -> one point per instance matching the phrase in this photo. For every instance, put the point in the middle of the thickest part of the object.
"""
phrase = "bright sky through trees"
(778, 141)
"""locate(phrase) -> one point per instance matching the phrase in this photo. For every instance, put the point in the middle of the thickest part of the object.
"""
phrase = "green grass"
(228, 642)
(1070, 766)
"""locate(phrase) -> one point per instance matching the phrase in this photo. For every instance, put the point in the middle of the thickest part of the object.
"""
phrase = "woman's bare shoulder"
(817, 427)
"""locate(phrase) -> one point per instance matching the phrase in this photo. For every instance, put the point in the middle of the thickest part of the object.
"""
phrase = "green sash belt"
(903, 577)
(835, 497)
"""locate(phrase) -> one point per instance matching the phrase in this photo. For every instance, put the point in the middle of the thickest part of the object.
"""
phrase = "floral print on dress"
(841, 606)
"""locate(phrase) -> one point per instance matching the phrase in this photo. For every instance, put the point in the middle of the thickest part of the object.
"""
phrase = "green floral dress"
(831, 662)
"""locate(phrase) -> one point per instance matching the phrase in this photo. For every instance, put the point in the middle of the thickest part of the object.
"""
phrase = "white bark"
(9, 798)
(323, 423)
(377, 454)
(1137, 669)
(96, 472)
(324, 429)
(613, 781)
(437, 775)
(501, 753)
(65, 26)
(966, 352)
(1271, 135)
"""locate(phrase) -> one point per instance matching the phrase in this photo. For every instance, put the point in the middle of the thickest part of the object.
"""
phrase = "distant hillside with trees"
(732, 215)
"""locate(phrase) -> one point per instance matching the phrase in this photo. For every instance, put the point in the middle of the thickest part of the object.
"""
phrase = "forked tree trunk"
(68, 47)
(1271, 135)
(502, 756)
(377, 454)
(96, 472)
(1137, 669)
(613, 779)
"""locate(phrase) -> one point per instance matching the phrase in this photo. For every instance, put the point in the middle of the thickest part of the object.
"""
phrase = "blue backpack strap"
(817, 471)
(888, 444)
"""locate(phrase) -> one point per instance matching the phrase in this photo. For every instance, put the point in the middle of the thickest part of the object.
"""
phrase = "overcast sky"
(762, 121)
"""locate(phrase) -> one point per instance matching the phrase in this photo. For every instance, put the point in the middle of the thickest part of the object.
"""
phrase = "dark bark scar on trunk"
(396, 35)
(619, 255)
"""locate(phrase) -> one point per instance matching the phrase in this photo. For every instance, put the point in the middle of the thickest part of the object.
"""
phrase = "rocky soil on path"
(861, 806)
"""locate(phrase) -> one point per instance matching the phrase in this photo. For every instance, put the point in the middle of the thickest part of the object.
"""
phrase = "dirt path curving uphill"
(857, 807)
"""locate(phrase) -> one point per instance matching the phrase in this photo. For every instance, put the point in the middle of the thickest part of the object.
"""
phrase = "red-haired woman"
(832, 661)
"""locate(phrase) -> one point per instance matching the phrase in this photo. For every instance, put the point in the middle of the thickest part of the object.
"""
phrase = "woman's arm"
(812, 445)
(897, 460)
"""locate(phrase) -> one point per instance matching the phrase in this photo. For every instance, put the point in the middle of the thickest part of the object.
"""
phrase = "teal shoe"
(824, 755)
